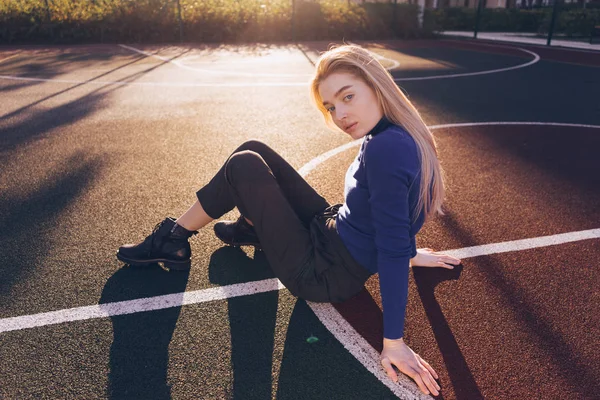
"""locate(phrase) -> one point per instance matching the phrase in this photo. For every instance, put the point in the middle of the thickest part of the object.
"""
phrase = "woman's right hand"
(429, 258)
(396, 352)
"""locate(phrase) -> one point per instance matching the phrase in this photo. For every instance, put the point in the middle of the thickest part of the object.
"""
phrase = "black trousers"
(295, 225)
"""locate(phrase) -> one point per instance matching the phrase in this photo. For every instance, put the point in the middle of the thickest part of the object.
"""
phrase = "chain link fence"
(520, 20)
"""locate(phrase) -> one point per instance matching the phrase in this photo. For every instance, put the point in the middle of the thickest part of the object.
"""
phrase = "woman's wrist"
(392, 341)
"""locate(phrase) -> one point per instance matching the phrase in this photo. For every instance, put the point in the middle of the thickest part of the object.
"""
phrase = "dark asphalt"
(89, 164)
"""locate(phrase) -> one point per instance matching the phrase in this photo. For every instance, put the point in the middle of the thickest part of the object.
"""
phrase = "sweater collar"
(382, 125)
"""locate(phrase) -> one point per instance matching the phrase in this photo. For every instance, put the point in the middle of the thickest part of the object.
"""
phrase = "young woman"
(323, 252)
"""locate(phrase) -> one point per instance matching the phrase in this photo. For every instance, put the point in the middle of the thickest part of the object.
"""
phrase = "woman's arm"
(390, 165)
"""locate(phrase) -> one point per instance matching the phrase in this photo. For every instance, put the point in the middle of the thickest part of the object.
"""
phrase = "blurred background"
(235, 21)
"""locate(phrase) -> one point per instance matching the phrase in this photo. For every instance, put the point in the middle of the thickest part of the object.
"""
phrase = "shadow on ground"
(139, 355)
(28, 223)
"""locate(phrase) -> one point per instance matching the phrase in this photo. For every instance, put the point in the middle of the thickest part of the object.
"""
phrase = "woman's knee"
(253, 145)
(244, 165)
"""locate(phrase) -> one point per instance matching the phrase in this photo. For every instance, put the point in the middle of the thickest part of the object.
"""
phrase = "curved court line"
(210, 71)
(536, 58)
(325, 312)
(252, 84)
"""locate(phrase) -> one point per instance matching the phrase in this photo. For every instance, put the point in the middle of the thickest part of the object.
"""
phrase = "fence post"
(180, 23)
(48, 16)
(294, 21)
(551, 30)
(477, 17)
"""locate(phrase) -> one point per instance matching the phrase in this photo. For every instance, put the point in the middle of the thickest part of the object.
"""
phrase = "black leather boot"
(168, 244)
(237, 233)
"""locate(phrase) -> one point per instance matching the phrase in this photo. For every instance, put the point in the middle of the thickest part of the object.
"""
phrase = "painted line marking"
(326, 313)
(210, 71)
(458, 125)
(160, 84)
(540, 45)
(139, 305)
(252, 84)
(536, 58)
(249, 288)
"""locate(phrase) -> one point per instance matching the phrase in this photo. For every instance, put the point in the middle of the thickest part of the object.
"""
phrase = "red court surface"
(99, 143)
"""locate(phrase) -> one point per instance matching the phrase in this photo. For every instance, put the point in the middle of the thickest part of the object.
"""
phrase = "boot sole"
(170, 264)
(256, 246)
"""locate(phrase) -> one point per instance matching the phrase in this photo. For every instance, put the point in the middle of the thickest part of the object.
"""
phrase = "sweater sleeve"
(390, 164)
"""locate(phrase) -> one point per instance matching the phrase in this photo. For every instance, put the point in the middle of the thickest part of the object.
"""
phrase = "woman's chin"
(356, 135)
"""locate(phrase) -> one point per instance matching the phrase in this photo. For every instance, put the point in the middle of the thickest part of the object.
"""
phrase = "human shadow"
(252, 321)
(426, 280)
(139, 354)
(364, 314)
(32, 218)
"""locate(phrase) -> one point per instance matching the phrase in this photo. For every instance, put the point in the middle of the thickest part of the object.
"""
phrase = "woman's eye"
(349, 96)
(330, 109)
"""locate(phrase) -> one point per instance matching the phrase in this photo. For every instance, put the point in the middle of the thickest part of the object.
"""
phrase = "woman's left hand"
(429, 258)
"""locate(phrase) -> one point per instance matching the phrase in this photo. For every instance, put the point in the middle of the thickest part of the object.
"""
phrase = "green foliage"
(203, 20)
(572, 22)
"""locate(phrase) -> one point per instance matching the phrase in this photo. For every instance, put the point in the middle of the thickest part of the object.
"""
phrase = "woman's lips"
(351, 127)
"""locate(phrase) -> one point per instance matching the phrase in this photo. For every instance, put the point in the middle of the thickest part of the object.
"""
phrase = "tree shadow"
(251, 319)
(574, 371)
(139, 354)
(571, 156)
(27, 222)
(50, 64)
(22, 109)
(39, 123)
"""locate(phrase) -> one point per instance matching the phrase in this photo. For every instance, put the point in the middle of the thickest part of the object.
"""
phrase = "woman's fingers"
(389, 370)
(426, 381)
(418, 378)
(442, 264)
(451, 260)
(429, 368)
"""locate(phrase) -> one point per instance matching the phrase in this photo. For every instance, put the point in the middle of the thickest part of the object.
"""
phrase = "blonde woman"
(323, 252)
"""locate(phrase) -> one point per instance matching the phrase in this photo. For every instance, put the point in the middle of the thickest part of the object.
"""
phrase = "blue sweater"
(380, 194)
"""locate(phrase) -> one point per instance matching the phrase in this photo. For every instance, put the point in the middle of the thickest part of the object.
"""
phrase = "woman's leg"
(215, 198)
(194, 218)
(249, 183)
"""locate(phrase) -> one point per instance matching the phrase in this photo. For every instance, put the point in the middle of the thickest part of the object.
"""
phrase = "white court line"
(210, 71)
(248, 288)
(543, 46)
(163, 84)
(326, 313)
(458, 125)
(536, 58)
(247, 84)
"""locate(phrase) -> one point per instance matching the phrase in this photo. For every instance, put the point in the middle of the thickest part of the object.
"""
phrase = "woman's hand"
(429, 258)
(396, 352)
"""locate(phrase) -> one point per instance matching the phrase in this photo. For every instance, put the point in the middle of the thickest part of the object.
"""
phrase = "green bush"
(203, 20)
(572, 22)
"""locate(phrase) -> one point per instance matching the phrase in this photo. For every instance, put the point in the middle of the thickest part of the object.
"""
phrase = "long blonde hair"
(396, 108)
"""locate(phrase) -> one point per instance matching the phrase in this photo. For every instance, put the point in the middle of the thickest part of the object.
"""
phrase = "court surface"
(100, 143)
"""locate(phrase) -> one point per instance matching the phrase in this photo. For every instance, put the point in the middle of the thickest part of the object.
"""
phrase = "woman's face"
(353, 105)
